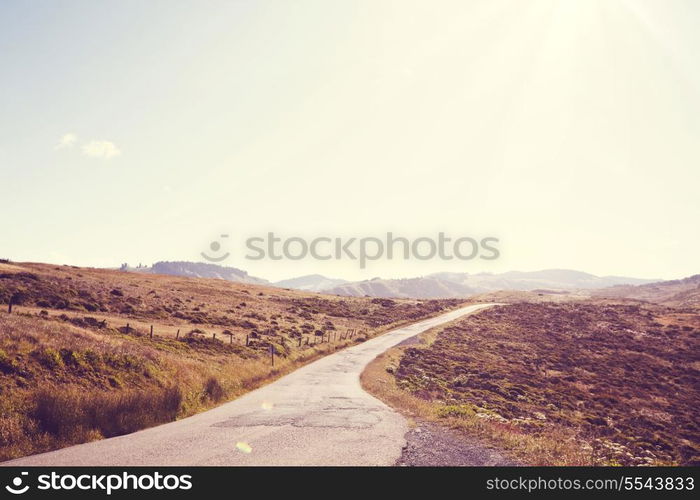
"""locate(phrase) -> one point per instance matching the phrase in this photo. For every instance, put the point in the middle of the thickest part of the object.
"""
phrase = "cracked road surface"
(316, 415)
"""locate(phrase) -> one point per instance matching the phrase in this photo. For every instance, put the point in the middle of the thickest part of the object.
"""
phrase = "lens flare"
(243, 447)
(267, 405)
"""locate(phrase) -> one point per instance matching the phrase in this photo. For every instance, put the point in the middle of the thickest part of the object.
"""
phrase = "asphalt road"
(317, 415)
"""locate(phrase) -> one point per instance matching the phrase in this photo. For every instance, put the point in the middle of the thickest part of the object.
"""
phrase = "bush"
(92, 358)
(460, 381)
(463, 410)
(72, 358)
(213, 390)
(121, 361)
(7, 366)
(49, 357)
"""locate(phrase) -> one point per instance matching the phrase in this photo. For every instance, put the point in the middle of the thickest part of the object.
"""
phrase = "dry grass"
(560, 448)
(555, 384)
(61, 385)
(74, 374)
(172, 303)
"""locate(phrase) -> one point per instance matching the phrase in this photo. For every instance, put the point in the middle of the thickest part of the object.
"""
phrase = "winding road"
(316, 415)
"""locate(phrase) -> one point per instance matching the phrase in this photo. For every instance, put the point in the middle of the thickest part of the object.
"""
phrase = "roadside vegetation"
(558, 384)
(71, 371)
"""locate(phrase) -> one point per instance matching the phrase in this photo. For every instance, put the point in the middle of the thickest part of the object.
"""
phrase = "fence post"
(9, 305)
(151, 335)
(272, 354)
(299, 340)
(231, 339)
(246, 340)
(177, 335)
(214, 336)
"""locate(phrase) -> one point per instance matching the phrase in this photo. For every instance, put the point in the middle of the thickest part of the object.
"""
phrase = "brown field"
(559, 384)
(70, 370)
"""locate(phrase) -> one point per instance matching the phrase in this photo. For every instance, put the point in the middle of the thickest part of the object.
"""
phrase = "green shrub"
(122, 361)
(74, 359)
(465, 410)
(92, 358)
(49, 357)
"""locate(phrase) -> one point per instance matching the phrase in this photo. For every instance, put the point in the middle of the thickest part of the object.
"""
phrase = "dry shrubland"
(560, 384)
(70, 370)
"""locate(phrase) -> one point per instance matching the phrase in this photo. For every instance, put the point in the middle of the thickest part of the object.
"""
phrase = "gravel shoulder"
(429, 444)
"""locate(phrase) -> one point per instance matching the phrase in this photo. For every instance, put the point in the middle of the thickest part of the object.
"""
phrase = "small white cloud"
(67, 141)
(101, 149)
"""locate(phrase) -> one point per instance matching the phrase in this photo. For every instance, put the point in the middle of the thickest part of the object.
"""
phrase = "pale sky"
(135, 131)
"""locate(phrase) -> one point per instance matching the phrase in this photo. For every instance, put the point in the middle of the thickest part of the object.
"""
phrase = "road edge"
(378, 381)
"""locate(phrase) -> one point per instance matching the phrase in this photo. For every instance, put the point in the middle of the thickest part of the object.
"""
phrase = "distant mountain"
(450, 285)
(310, 282)
(676, 293)
(438, 285)
(201, 270)
(418, 288)
(556, 279)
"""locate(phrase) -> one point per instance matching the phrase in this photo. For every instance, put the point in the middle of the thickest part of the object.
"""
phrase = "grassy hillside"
(675, 293)
(570, 383)
(71, 371)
